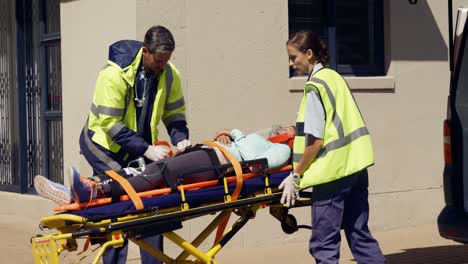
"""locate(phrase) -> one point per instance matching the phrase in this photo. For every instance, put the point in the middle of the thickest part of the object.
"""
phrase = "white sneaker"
(51, 190)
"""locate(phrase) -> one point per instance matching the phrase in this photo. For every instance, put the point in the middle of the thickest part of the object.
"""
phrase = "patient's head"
(285, 135)
(277, 130)
(290, 130)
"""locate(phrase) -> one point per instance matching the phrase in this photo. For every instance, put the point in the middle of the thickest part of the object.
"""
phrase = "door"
(30, 93)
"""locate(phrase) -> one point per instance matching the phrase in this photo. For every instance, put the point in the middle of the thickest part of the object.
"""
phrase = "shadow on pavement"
(457, 254)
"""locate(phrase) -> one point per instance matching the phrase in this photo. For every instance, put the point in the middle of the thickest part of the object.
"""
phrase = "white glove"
(183, 144)
(131, 171)
(155, 153)
(290, 187)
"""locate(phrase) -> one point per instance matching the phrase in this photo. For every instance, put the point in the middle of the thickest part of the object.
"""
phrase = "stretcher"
(237, 190)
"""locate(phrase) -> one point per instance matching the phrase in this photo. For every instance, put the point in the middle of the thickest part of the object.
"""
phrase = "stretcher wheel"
(289, 225)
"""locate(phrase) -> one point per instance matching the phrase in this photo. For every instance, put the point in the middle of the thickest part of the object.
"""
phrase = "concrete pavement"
(413, 245)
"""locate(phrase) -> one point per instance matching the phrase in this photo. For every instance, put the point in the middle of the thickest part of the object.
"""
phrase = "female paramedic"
(332, 150)
(165, 172)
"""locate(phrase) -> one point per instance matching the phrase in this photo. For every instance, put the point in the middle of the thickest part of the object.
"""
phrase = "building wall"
(87, 28)
(234, 67)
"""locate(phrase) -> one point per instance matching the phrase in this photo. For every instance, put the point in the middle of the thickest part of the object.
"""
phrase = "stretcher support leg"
(190, 248)
(230, 233)
(117, 240)
(204, 234)
(152, 250)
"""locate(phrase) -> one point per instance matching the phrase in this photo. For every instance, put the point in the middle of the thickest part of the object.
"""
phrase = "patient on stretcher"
(162, 173)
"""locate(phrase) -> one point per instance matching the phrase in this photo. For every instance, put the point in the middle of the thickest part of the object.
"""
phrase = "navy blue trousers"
(119, 255)
(343, 204)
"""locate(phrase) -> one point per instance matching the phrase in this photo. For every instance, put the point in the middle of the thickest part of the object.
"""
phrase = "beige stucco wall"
(87, 28)
(406, 124)
(233, 63)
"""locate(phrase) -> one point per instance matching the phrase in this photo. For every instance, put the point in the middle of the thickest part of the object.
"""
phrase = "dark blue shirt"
(177, 130)
(146, 90)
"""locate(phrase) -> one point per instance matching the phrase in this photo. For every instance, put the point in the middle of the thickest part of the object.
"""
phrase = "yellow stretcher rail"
(111, 231)
(47, 248)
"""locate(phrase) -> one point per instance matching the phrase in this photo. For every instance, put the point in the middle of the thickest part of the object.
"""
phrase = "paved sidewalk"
(414, 245)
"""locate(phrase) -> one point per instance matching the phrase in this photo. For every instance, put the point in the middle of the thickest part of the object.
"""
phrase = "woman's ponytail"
(305, 40)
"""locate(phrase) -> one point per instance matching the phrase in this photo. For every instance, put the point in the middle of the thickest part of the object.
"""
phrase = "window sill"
(357, 84)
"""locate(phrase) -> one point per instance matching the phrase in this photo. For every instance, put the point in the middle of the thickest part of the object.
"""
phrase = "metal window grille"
(8, 137)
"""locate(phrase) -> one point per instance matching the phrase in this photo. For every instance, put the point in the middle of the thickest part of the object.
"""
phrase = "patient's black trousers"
(166, 172)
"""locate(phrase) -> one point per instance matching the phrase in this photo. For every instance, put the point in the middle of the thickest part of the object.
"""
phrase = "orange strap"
(127, 187)
(85, 246)
(235, 163)
(165, 143)
(239, 182)
(283, 138)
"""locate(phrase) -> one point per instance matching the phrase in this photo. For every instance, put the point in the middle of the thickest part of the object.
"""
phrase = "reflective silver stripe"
(336, 119)
(99, 154)
(336, 144)
(173, 118)
(169, 79)
(173, 106)
(115, 129)
(341, 142)
(94, 110)
(105, 110)
(338, 125)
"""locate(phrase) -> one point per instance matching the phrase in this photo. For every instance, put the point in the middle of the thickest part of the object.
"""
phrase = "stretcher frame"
(110, 230)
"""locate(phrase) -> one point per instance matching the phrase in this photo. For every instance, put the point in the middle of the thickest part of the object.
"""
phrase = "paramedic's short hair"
(159, 39)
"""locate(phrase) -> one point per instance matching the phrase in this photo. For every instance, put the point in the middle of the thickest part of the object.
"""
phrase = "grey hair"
(159, 39)
(274, 130)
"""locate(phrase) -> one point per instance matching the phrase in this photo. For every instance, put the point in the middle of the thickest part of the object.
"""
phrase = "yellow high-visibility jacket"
(113, 110)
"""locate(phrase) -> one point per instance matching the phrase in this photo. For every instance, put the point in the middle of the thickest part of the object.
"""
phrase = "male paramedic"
(137, 89)
(332, 150)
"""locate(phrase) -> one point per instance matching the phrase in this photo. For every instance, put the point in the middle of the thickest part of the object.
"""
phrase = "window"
(353, 31)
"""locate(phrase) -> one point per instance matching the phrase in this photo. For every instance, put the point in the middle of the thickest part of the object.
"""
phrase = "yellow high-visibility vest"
(347, 146)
